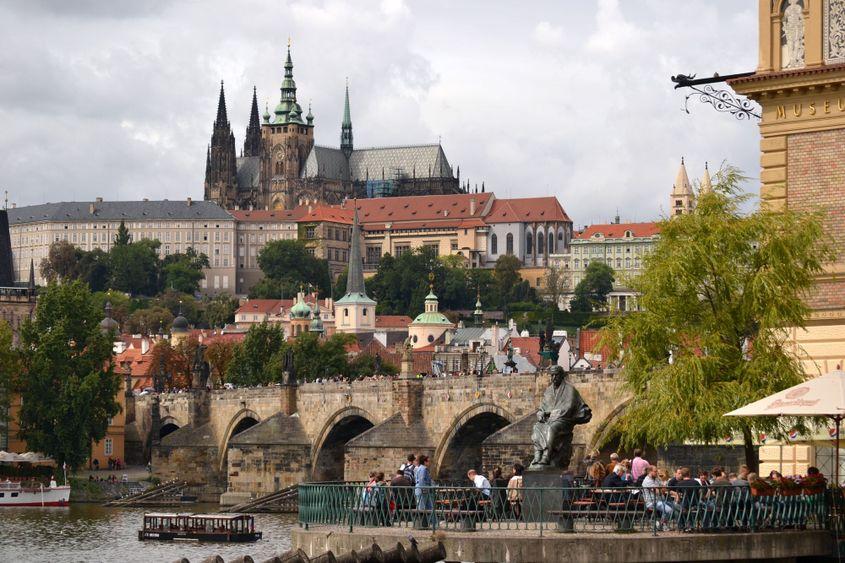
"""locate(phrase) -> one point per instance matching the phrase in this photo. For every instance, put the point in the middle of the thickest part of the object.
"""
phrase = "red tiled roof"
(526, 343)
(617, 230)
(526, 209)
(325, 213)
(419, 208)
(263, 306)
(393, 321)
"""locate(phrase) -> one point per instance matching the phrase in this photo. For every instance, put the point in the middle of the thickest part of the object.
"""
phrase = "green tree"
(219, 355)
(317, 357)
(149, 320)
(122, 237)
(289, 262)
(717, 293)
(135, 267)
(251, 361)
(591, 292)
(61, 262)
(121, 305)
(183, 272)
(69, 388)
(219, 310)
(93, 268)
(10, 367)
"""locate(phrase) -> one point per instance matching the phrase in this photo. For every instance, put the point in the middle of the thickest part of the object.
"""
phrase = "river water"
(90, 532)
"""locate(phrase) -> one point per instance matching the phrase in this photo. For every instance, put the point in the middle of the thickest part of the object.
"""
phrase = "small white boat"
(12, 494)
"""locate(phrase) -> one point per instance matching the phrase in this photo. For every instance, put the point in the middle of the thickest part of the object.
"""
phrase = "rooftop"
(618, 230)
(518, 210)
(118, 210)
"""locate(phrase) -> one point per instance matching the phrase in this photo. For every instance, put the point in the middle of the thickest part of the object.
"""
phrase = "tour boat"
(199, 527)
(13, 494)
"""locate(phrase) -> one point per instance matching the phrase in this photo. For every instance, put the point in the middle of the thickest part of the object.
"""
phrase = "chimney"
(145, 346)
(92, 208)
(189, 202)
(472, 206)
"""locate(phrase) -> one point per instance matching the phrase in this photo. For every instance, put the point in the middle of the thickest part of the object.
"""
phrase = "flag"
(793, 434)
(763, 438)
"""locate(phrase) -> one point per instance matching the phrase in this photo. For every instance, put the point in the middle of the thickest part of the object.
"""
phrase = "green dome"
(432, 318)
(300, 311)
(316, 324)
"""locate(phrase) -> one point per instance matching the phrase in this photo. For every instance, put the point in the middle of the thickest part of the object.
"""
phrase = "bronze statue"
(561, 409)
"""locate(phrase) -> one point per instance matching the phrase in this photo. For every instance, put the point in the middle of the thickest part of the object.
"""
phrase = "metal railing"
(573, 509)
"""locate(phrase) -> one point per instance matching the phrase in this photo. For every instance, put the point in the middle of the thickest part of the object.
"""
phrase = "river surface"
(90, 532)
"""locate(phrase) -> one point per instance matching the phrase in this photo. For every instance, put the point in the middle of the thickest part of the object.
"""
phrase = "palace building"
(280, 167)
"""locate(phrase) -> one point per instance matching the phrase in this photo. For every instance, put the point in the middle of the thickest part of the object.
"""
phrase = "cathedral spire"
(222, 118)
(346, 126)
(706, 182)
(252, 141)
(355, 275)
(682, 197)
(288, 111)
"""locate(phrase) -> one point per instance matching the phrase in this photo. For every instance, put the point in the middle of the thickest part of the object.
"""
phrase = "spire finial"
(289, 42)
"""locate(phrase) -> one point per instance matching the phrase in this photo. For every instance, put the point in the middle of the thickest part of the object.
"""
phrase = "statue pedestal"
(538, 503)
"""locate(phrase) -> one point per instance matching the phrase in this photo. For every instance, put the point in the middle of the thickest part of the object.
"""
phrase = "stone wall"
(259, 470)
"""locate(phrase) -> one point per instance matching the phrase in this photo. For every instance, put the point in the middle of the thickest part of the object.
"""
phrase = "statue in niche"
(793, 35)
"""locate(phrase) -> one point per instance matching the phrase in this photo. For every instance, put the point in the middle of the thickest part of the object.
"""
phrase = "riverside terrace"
(546, 524)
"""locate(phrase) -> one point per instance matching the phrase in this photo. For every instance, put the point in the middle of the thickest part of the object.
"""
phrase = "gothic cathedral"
(280, 167)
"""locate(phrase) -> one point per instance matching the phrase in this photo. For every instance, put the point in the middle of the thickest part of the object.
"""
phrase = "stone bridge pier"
(248, 442)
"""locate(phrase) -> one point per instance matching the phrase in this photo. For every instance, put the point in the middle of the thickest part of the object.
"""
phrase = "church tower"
(355, 311)
(220, 160)
(346, 127)
(288, 139)
(683, 198)
(252, 141)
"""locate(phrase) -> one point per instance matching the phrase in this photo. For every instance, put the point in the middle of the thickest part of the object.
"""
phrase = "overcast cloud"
(117, 98)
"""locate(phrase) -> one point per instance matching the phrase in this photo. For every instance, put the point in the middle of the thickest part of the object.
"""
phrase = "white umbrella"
(820, 396)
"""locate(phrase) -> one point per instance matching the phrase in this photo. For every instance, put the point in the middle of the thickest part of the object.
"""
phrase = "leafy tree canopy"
(716, 293)
(287, 264)
(68, 386)
(251, 362)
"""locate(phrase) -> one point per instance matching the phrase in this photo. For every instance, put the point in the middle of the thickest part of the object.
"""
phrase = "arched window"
(494, 244)
(509, 243)
(529, 243)
(540, 245)
(280, 168)
(551, 243)
(345, 312)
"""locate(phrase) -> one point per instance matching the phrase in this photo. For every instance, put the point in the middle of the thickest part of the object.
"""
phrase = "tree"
(220, 310)
(69, 387)
(121, 305)
(219, 355)
(93, 268)
(316, 357)
(509, 287)
(149, 320)
(555, 284)
(717, 293)
(183, 272)
(61, 263)
(122, 237)
(135, 267)
(10, 367)
(591, 292)
(251, 361)
(289, 262)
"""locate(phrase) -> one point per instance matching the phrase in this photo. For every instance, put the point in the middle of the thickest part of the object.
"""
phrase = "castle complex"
(280, 167)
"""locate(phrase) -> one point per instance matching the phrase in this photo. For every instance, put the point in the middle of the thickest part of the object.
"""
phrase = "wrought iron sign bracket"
(721, 100)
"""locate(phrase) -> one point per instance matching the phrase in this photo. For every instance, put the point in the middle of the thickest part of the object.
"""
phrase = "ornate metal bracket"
(721, 100)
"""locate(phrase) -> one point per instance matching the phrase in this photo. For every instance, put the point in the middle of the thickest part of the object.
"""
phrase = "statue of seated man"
(561, 409)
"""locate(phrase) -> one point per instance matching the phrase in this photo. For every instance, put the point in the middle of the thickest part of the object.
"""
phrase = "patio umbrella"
(820, 396)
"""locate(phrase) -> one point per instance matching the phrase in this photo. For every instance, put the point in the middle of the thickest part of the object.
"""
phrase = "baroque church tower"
(220, 161)
(683, 198)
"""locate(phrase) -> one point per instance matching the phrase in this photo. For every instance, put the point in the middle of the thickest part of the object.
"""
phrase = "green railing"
(575, 509)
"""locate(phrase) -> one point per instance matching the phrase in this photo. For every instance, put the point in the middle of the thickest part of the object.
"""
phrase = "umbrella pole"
(838, 419)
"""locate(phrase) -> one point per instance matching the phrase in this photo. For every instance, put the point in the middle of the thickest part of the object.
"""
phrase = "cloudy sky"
(116, 98)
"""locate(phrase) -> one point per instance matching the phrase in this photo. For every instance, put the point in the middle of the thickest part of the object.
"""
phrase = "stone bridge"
(252, 441)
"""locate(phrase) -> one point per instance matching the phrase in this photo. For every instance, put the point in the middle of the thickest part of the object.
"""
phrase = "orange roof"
(617, 230)
(325, 213)
(393, 321)
(425, 208)
(266, 215)
(523, 209)
(526, 344)
(262, 306)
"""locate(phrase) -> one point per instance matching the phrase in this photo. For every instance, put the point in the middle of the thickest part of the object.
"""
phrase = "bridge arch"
(460, 447)
(168, 426)
(602, 437)
(242, 420)
(327, 453)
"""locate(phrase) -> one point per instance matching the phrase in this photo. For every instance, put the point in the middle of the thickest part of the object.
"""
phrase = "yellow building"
(798, 85)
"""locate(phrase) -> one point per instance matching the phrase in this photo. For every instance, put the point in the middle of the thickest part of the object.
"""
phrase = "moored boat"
(199, 527)
(13, 494)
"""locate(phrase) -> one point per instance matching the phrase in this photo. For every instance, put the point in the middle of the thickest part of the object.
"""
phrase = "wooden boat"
(199, 527)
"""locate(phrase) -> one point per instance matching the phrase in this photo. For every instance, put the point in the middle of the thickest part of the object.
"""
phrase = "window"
(108, 446)
(431, 338)
(494, 246)
(551, 243)
(364, 311)
(529, 243)
(509, 244)
(310, 232)
(346, 312)
(401, 249)
(540, 245)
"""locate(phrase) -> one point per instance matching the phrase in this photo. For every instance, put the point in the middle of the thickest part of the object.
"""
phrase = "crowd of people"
(412, 486)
